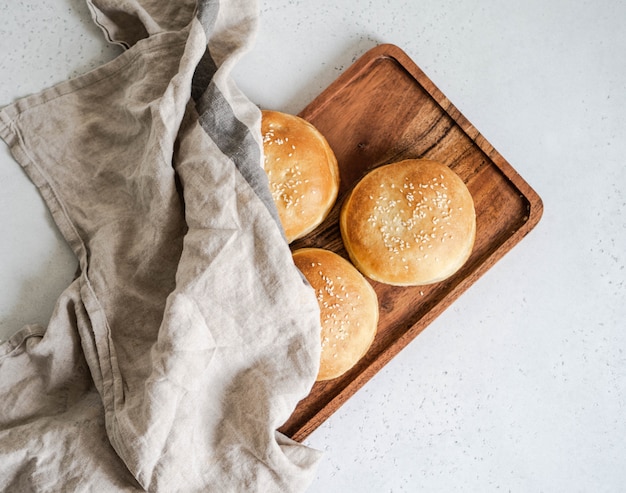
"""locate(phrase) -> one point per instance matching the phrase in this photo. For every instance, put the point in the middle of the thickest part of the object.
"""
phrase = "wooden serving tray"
(381, 110)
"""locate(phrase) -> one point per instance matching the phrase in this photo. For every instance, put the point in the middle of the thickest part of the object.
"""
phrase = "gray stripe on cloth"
(206, 68)
(221, 124)
(202, 76)
(236, 141)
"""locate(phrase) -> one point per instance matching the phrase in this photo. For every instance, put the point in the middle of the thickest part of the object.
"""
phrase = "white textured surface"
(521, 385)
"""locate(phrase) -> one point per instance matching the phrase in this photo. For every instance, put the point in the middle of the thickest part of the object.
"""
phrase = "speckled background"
(521, 385)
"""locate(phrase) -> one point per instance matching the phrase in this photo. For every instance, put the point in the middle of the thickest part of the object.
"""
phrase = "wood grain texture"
(381, 110)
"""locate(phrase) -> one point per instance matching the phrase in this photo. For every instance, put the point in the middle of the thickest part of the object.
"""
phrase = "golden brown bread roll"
(348, 309)
(302, 171)
(409, 223)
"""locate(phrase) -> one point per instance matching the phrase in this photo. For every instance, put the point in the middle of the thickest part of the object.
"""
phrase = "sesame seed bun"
(302, 171)
(409, 223)
(348, 309)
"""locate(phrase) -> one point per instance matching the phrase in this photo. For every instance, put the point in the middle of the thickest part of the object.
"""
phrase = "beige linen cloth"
(188, 336)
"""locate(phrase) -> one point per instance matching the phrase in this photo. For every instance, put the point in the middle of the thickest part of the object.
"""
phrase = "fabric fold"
(188, 336)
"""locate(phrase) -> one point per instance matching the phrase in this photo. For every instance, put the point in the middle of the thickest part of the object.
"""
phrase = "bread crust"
(409, 223)
(348, 309)
(302, 171)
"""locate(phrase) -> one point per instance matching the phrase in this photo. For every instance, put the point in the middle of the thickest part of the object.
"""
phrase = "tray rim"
(535, 211)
